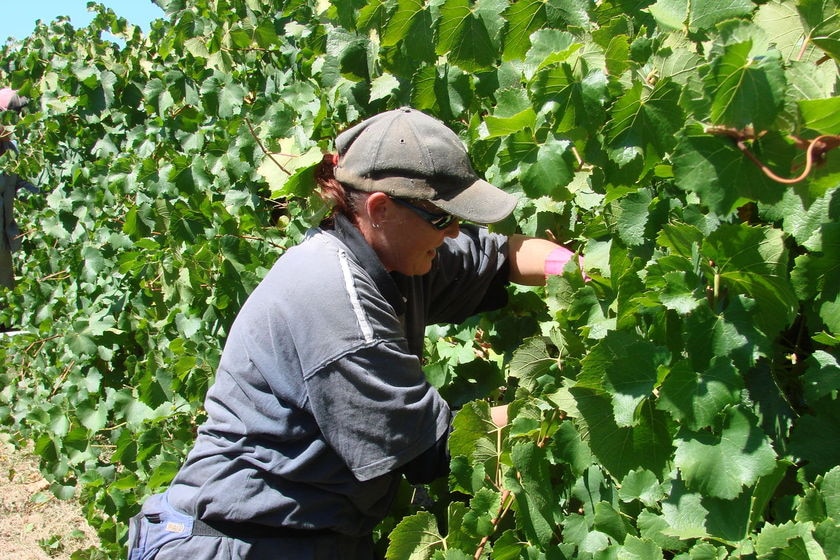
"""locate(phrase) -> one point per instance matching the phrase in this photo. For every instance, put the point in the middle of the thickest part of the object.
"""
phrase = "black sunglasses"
(438, 221)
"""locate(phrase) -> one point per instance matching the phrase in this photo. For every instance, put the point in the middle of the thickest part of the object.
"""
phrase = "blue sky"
(18, 20)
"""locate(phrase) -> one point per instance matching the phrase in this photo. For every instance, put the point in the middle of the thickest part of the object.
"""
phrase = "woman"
(320, 405)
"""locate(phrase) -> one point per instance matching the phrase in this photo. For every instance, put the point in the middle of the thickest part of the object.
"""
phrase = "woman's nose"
(453, 229)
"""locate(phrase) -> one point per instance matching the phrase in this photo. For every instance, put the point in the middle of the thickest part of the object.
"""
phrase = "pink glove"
(557, 259)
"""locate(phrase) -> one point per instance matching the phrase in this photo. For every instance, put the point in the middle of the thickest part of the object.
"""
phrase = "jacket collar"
(350, 235)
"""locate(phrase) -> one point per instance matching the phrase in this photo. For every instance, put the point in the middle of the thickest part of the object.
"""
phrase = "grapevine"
(681, 402)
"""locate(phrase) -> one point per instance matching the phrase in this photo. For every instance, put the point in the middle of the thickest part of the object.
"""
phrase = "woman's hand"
(499, 415)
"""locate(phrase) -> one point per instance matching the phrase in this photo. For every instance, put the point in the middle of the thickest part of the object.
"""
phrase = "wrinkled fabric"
(320, 398)
(161, 532)
(320, 401)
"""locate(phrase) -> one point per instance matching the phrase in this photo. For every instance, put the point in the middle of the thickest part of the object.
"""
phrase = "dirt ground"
(34, 524)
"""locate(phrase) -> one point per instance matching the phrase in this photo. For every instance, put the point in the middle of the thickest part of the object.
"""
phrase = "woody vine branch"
(815, 150)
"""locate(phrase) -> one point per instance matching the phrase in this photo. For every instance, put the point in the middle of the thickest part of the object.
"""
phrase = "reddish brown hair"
(341, 199)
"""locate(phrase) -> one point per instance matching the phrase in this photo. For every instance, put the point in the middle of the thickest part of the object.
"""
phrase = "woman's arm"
(499, 415)
(528, 255)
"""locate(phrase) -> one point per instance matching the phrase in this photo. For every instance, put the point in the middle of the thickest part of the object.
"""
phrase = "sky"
(19, 16)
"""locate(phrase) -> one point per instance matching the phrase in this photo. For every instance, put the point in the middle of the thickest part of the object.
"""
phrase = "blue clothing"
(10, 183)
(320, 400)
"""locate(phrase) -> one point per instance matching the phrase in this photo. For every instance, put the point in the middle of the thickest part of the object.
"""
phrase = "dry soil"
(34, 524)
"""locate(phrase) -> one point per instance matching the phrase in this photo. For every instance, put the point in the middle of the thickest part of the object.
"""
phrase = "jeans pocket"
(157, 524)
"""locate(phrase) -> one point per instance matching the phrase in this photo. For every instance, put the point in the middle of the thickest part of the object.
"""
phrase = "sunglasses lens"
(442, 222)
(437, 221)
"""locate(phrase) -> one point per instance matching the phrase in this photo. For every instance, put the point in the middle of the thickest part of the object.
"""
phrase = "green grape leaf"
(557, 84)
(670, 13)
(822, 378)
(550, 170)
(679, 292)
(523, 19)
(695, 399)
(785, 541)
(765, 490)
(698, 15)
(830, 490)
(471, 433)
(745, 90)
(625, 365)
(641, 485)
(572, 13)
(410, 15)
(802, 215)
(463, 37)
(567, 447)
(683, 514)
(533, 490)
(681, 239)
(782, 21)
(722, 465)
(647, 445)
(821, 115)
(610, 521)
(513, 113)
(634, 216)
(826, 34)
(753, 261)
(508, 546)
(550, 47)
(383, 87)
(827, 535)
(817, 276)
(430, 90)
(815, 439)
(531, 361)
(484, 506)
(283, 170)
(416, 537)
(645, 121)
(640, 549)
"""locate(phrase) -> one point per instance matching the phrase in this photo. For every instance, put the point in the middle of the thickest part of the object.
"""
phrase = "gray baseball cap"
(408, 154)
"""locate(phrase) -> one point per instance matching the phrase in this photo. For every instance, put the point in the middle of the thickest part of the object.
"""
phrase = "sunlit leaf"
(721, 465)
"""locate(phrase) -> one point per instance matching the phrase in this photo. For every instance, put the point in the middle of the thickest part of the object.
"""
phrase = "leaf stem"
(499, 444)
(505, 506)
(61, 378)
(264, 150)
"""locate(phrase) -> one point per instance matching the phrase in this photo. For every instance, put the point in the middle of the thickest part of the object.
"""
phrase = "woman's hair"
(342, 200)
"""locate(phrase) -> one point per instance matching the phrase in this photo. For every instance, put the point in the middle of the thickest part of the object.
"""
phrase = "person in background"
(10, 100)
(320, 404)
(10, 237)
(10, 184)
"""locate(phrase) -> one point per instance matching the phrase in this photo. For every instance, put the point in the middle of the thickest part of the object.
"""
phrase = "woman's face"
(404, 241)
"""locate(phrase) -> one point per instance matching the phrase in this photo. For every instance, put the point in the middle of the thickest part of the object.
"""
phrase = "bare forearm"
(527, 259)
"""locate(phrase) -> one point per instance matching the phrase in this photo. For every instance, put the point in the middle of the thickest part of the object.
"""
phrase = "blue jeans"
(157, 525)
(161, 532)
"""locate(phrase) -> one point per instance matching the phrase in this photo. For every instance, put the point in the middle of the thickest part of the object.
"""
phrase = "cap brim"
(481, 203)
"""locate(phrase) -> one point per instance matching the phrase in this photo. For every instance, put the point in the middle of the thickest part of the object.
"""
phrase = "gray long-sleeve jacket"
(320, 400)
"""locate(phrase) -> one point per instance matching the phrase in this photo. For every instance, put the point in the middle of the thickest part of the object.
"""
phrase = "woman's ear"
(378, 208)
